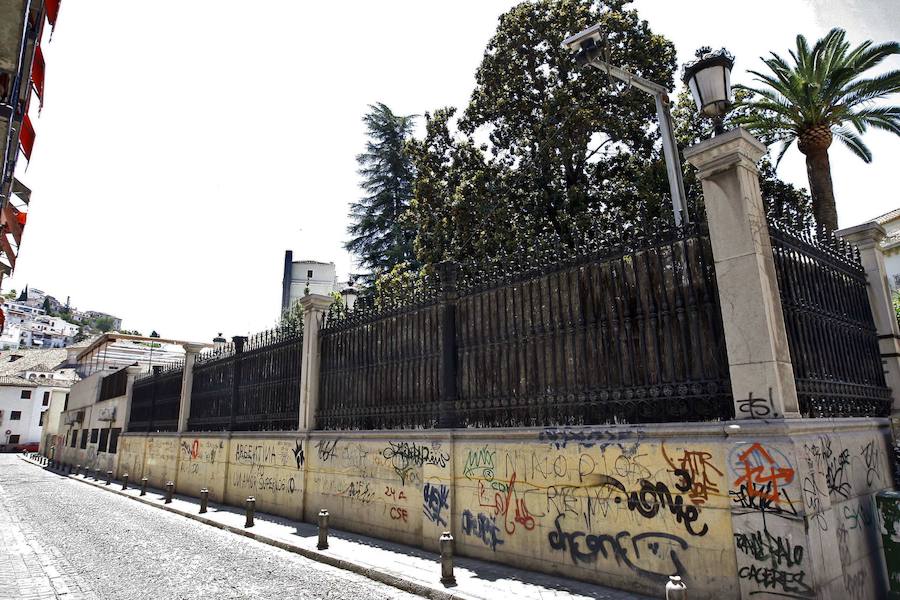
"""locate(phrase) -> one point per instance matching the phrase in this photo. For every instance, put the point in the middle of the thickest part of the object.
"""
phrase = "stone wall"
(743, 509)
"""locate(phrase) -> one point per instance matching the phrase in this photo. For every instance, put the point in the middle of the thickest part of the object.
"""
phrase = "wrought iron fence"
(830, 330)
(380, 368)
(114, 385)
(156, 399)
(249, 385)
(589, 335)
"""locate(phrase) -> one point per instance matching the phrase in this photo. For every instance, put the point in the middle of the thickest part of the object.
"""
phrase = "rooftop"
(31, 360)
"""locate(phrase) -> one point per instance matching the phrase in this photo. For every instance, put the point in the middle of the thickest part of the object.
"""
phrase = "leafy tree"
(104, 324)
(153, 334)
(11, 294)
(292, 318)
(568, 149)
(379, 237)
(819, 95)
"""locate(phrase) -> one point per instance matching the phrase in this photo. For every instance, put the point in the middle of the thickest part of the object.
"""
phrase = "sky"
(184, 146)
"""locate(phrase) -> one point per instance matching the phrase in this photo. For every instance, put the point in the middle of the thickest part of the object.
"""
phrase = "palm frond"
(784, 148)
(853, 142)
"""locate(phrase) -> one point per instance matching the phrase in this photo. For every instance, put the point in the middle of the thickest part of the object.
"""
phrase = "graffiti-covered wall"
(750, 509)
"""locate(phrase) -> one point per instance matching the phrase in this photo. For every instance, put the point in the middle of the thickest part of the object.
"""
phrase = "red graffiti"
(762, 474)
(392, 493)
(399, 514)
(195, 449)
(502, 502)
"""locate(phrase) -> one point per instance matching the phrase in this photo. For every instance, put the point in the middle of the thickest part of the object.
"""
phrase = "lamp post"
(349, 294)
(587, 52)
(709, 79)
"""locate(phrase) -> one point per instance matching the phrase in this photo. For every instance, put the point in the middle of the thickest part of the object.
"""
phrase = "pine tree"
(380, 239)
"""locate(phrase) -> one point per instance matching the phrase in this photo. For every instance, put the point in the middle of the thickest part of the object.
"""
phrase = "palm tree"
(818, 98)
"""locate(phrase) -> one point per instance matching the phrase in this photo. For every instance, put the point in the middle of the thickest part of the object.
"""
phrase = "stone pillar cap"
(194, 348)
(870, 231)
(316, 301)
(722, 151)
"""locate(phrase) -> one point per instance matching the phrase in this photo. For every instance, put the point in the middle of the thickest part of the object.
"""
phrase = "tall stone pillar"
(867, 237)
(187, 381)
(314, 308)
(759, 360)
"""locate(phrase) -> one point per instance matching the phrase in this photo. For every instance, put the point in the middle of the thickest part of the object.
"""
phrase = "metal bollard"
(204, 500)
(446, 541)
(125, 481)
(251, 510)
(323, 530)
(170, 487)
(675, 589)
(78, 469)
(143, 486)
(108, 477)
(97, 474)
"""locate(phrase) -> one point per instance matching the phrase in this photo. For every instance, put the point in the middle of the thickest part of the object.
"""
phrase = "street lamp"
(349, 294)
(709, 79)
(587, 52)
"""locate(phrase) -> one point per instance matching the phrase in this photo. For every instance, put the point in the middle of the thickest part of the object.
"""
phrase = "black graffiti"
(871, 454)
(762, 546)
(789, 585)
(325, 449)
(653, 497)
(836, 466)
(298, 453)
(812, 499)
(415, 454)
(358, 490)
(627, 441)
(483, 527)
(584, 547)
(757, 408)
(761, 499)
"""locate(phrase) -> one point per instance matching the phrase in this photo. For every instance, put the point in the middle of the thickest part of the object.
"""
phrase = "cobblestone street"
(63, 539)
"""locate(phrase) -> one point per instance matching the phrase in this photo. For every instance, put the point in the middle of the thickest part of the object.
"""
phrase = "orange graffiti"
(759, 482)
(696, 464)
(195, 449)
(502, 502)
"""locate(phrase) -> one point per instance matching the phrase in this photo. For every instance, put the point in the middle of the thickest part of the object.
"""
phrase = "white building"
(28, 327)
(24, 405)
(319, 277)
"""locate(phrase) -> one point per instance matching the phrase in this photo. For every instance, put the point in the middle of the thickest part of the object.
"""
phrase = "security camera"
(583, 39)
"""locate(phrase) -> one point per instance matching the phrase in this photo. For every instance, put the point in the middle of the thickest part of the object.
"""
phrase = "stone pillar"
(187, 381)
(133, 372)
(314, 308)
(867, 237)
(758, 356)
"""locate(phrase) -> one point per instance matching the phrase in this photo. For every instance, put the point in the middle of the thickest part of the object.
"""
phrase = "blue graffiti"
(483, 527)
(435, 500)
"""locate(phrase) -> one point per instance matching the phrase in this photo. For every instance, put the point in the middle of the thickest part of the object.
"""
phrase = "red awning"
(52, 7)
(37, 74)
(26, 137)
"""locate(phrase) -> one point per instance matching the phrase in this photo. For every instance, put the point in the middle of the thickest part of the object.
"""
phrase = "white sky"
(184, 146)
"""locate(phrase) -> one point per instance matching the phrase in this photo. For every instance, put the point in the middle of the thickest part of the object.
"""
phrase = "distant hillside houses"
(34, 319)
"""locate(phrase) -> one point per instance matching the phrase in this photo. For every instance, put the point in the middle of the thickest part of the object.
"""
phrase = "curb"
(405, 585)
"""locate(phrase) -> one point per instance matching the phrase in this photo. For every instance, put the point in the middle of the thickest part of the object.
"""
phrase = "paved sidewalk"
(404, 567)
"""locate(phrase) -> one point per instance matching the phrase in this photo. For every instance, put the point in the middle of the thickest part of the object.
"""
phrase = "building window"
(114, 439)
(14, 439)
(41, 419)
(309, 274)
(26, 395)
(46, 398)
(15, 415)
(84, 438)
(74, 438)
(104, 439)
(95, 433)
(66, 403)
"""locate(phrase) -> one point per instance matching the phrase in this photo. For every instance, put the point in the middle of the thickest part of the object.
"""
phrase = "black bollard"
(170, 488)
(78, 469)
(204, 500)
(143, 486)
(251, 509)
(108, 477)
(323, 530)
(125, 481)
